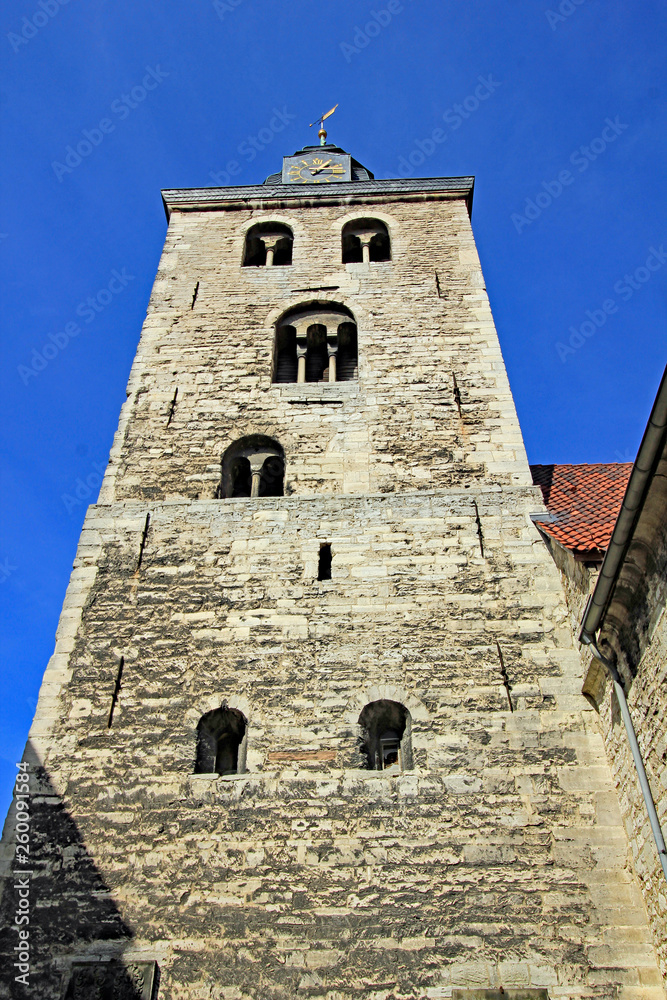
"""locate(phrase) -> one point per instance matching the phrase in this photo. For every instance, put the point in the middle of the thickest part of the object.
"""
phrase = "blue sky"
(556, 106)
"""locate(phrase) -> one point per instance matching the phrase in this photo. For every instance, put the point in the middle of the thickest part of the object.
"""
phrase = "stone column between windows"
(332, 349)
(301, 348)
(270, 241)
(256, 463)
(365, 236)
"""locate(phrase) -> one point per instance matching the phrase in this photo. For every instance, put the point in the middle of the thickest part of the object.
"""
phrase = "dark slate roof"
(584, 501)
(210, 197)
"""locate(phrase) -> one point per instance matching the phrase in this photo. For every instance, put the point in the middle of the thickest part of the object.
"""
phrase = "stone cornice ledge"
(286, 195)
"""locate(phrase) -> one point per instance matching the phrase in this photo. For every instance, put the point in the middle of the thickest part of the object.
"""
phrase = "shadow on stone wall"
(72, 917)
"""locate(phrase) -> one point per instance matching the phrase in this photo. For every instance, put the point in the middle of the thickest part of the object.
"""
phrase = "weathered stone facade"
(499, 857)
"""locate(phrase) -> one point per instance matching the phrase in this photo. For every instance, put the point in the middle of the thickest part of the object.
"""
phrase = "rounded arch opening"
(315, 342)
(221, 742)
(268, 244)
(365, 240)
(253, 466)
(386, 731)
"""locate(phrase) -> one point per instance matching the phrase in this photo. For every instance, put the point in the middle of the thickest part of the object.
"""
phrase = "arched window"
(386, 728)
(221, 742)
(317, 343)
(254, 466)
(365, 240)
(268, 243)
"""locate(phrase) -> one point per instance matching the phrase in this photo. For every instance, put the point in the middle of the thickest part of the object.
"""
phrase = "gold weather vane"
(322, 132)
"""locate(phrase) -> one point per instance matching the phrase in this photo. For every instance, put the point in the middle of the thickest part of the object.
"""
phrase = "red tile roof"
(584, 501)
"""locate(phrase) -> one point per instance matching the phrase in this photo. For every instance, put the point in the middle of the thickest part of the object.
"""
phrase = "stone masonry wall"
(501, 859)
(398, 427)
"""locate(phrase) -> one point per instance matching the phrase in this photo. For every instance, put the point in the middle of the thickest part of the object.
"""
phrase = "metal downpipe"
(636, 752)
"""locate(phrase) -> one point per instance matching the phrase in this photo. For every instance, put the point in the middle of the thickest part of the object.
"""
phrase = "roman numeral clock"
(317, 166)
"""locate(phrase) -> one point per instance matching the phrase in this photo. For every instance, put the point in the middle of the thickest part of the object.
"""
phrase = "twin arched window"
(386, 744)
(253, 466)
(365, 240)
(316, 344)
(270, 243)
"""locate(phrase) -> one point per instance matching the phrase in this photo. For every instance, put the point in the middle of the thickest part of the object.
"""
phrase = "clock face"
(316, 168)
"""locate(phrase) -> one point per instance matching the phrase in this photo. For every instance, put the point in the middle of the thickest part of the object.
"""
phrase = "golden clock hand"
(323, 167)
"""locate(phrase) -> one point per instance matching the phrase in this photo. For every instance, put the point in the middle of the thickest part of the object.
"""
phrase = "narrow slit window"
(324, 566)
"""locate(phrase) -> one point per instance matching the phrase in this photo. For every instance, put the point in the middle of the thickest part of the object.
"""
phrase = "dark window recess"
(386, 740)
(241, 477)
(272, 476)
(317, 357)
(316, 344)
(347, 352)
(324, 566)
(254, 466)
(268, 243)
(286, 362)
(370, 233)
(221, 739)
(118, 980)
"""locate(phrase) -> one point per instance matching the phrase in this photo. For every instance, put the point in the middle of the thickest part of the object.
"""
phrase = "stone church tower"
(314, 726)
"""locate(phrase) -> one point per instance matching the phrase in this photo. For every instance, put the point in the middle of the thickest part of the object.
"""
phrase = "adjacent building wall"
(634, 633)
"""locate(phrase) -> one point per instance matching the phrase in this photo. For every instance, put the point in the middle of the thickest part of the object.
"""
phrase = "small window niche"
(324, 562)
(386, 736)
(222, 737)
